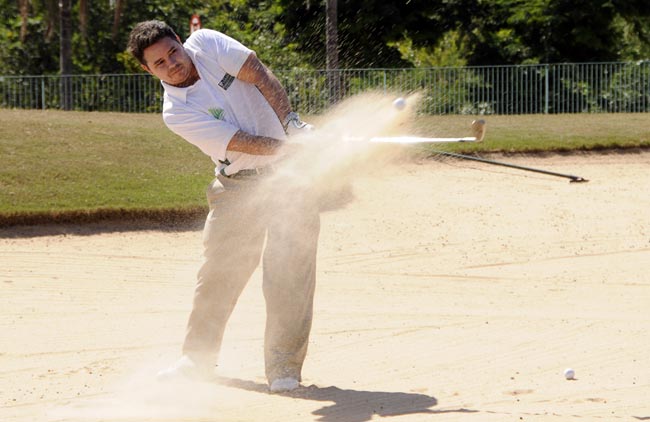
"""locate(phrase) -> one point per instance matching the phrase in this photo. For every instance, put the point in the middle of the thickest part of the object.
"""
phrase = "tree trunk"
(51, 18)
(117, 16)
(332, 51)
(83, 18)
(65, 54)
(24, 16)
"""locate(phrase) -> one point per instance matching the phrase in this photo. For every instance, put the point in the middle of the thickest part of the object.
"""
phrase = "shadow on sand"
(353, 405)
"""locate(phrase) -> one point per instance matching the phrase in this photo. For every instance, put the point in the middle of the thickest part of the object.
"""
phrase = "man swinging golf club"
(221, 98)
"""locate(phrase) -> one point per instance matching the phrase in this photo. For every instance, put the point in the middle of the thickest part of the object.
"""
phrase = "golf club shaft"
(514, 166)
(419, 140)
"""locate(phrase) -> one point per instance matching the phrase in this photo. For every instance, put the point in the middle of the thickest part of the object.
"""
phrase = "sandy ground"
(447, 291)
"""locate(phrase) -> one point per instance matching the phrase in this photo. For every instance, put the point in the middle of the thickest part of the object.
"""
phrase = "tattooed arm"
(253, 144)
(253, 71)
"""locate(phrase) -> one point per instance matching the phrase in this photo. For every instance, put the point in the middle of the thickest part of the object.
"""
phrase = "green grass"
(545, 133)
(54, 162)
(81, 161)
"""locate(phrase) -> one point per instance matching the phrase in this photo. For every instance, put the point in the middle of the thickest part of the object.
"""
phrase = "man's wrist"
(292, 115)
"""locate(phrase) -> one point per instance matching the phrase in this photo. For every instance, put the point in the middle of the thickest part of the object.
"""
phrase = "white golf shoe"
(281, 385)
(186, 369)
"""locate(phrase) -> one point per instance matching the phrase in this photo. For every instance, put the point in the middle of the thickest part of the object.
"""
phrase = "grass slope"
(60, 166)
(58, 161)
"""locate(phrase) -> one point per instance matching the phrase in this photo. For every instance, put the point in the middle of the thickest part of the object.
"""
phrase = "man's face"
(168, 61)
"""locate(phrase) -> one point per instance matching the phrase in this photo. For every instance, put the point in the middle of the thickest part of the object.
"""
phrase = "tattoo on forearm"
(254, 72)
(273, 90)
(252, 144)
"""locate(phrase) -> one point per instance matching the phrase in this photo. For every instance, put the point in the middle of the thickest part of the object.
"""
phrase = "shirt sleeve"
(228, 52)
(210, 135)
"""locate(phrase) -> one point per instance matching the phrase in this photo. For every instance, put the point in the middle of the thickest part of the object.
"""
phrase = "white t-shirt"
(208, 113)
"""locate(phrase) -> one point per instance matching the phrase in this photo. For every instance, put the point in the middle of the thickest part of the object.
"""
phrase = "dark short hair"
(145, 34)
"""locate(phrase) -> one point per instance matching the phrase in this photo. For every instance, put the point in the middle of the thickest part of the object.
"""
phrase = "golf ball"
(399, 103)
(569, 374)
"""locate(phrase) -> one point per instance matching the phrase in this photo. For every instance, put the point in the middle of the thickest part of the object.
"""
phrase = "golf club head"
(478, 129)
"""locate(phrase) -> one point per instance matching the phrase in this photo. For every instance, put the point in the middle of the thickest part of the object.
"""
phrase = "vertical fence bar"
(546, 88)
(530, 88)
(43, 105)
(634, 89)
(490, 92)
(568, 97)
(522, 94)
(577, 88)
(571, 71)
(644, 85)
(498, 92)
(580, 87)
(520, 91)
(560, 89)
(513, 89)
(614, 100)
(572, 88)
(506, 92)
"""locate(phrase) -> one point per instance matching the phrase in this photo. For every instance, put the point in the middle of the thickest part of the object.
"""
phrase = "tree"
(512, 31)
(117, 16)
(24, 15)
(258, 25)
(365, 29)
(370, 33)
(83, 18)
(332, 47)
(377, 33)
(24, 43)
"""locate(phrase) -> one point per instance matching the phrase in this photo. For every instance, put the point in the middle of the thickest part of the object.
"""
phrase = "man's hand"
(293, 125)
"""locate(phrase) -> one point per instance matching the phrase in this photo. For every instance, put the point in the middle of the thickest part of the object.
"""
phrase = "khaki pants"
(239, 220)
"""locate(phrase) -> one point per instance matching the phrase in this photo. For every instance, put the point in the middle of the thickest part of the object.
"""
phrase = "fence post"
(546, 89)
(43, 105)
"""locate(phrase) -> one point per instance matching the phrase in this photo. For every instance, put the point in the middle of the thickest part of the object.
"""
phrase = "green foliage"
(635, 43)
(553, 31)
(256, 25)
(289, 34)
(366, 28)
(450, 51)
(37, 53)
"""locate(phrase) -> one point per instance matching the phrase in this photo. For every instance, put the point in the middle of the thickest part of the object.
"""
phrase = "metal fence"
(120, 93)
(523, 89)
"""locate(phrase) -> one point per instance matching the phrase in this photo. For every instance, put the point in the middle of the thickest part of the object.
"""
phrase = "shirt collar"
(176, 92)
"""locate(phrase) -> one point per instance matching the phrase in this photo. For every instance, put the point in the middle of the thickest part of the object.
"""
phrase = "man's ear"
(146, 68)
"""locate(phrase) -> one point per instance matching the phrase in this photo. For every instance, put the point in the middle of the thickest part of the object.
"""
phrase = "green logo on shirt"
(217, 113)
